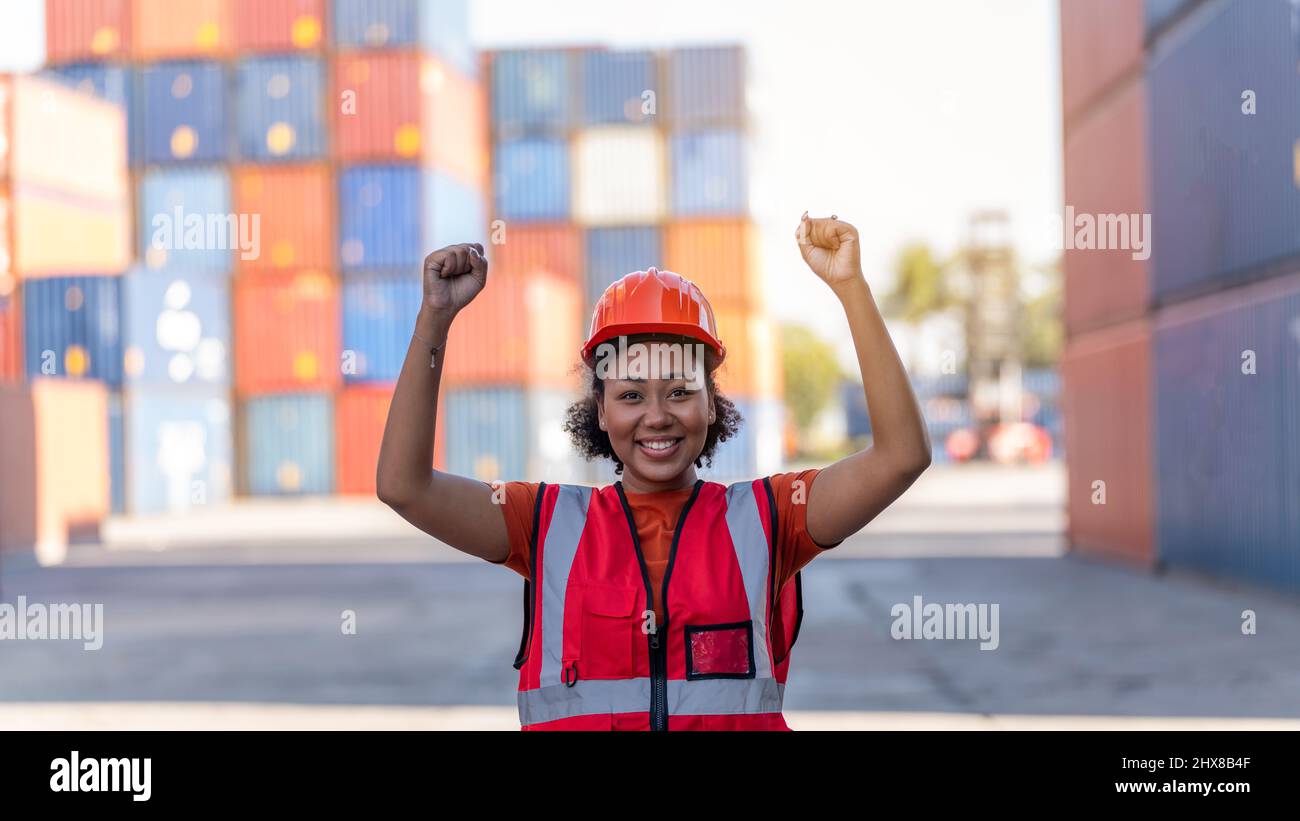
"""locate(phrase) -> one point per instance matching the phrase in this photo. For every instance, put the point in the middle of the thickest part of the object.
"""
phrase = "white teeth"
(659, 445)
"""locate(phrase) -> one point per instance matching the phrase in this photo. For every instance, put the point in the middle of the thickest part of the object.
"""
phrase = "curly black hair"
(582, 421)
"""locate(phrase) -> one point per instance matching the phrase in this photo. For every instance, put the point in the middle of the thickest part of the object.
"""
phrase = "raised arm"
(851, 492)
(453, 509)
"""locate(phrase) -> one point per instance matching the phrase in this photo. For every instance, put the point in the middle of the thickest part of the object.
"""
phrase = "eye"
(628, 395)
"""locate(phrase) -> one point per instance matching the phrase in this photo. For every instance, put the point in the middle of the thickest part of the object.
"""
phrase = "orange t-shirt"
(655, 516)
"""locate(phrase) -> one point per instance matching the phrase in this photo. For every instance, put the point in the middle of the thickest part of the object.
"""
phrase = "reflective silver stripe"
(567, 522)
(598, 696)
(752, 554)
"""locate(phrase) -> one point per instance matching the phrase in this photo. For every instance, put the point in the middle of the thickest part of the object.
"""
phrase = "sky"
(900, 116)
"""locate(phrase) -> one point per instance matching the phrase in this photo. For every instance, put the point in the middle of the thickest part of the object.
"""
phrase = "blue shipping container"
(709, 173)
(706, 86)
(532, 179)
(290, 444)
(620, 86)
(613, 252)
(178, 449)
(1228, 442)
(72, 327)
(1225, 199)
(113, 83)
(533, 90)
(183, 112)
(279, 108)
(391, 216)
(116, 469)
(379, 310)
(175, 329)
(440, 26)
(1159, 12)
(487, 433)
(184, 220)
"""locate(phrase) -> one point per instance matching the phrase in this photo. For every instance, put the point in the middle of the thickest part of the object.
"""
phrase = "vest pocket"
(720, 650)
(610, 628)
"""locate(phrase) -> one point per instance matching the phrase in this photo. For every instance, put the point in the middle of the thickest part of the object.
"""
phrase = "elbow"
(392, 493)
(911, 465)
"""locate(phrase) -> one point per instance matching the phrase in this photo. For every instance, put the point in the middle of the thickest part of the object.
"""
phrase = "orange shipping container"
(408, 106)
(85, 30)
(287, 334)
(40, 225)
(753, 364)
(1106, 400)
(360, 413)
(524, 335)
(717, 255)
(11, 329)
(296, 203)
(1101, 41)
(538, 251)
(54, 448)
(279, 25)
(168, 29)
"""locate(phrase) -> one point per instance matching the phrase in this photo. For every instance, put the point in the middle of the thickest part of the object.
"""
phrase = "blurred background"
(212, 219)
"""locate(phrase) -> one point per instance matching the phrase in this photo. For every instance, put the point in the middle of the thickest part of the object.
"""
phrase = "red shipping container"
(87, 30)
(287, 333)
(296, 203)
(1106, 400)
(1101, 42)
(168, 29)
(753, 365)
(538, 251)
(360, 413)
(279, 25)
(11, 329)
(1106, 173)
(403, 105)
(718, 256)
(524, 334)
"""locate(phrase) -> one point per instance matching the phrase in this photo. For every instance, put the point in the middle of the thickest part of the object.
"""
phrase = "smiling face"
(657, 427)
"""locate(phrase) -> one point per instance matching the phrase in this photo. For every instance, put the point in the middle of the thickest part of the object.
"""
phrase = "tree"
(921, 287)
(812, 373)
(1042, 332)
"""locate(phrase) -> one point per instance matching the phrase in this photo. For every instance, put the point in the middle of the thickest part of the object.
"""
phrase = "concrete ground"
(233, 620)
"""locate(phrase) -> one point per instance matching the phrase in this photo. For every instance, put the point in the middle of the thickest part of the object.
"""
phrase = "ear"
(600, 412)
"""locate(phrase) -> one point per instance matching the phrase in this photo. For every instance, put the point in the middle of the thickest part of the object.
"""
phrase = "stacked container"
(606, 162)
(65, 228)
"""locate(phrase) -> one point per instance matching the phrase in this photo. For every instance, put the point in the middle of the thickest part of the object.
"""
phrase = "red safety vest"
(591, 657)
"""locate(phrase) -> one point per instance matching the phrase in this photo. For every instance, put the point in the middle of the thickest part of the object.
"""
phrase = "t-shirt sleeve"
(794, 546)
(520, 501)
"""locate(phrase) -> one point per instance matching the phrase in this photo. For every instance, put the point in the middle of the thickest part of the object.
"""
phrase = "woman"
(605, 645)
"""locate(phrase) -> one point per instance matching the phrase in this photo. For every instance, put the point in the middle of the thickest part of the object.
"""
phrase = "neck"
(635, 483)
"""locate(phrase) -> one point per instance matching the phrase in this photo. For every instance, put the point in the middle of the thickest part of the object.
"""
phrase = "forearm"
(406, 454)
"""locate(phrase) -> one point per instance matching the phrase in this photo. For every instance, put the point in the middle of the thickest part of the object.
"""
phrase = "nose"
(658, 415)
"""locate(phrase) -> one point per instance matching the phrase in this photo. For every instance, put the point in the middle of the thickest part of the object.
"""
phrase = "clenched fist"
(830, 247)
(453, 276)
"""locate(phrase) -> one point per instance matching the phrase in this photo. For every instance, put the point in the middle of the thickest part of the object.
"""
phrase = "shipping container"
(79, 30)
(1225, 175)
(11, 329)
(56, 466)
(527, 334)
(452, 96)
(41, 221)
(167, 29)
(393, 216)
(72, 327)
(718, 255)
(279, 25)
(183, 112)
(1101, 46)
(753, 363)
(114, 84)
(1105, 174)
(279, 108)
(709, 175)
(288, 444)
(1106, 379)
(1227, 436)
(615, 252)
(534, 91)
(1158, 14)
(706, 86)
(287, 334)
(175, 330)
(178, 449)
(438, 26)
(531, 179)
(116, 457)
(360, 414)
(62, 142)
(509, 434)
(618, 175)
(530, 251)
(379, 311)
(620, 87)
(184, 220)
(295, 209)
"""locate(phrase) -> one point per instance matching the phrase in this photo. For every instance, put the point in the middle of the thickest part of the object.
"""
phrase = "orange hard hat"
(653, 301)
